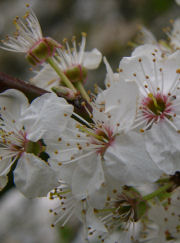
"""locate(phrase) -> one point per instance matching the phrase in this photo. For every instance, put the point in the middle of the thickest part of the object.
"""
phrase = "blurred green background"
(110, 25)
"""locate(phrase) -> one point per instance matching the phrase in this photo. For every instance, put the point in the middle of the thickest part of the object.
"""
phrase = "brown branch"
(32, 92)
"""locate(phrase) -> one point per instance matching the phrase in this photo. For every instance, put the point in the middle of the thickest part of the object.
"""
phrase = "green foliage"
(154, 8)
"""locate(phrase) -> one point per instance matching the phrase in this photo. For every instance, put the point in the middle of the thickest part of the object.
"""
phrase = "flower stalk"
(63, 77)
(82, 90)
(158, 191)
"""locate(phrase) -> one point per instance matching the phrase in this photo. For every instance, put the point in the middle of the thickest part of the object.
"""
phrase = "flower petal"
(88, 178)
(92, 59)
(120, 102)
(33, 177)
(163, 146)
(128, 162)
(46, 78)
(13, 103)
(46, 114)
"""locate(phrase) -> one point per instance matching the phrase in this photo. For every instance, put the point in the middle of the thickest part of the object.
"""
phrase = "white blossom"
(115, 222)
(70, 58)
(28, 39)
(103, 153)
(67, 205)
(74, 63)
(164, 221)
(22, 128)
(27, 34)
(158, 108)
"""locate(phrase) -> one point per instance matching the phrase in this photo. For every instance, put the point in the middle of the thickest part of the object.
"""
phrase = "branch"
(32, 92)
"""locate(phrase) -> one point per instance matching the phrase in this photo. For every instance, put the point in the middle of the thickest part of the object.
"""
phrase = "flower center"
(101, 136)
(155, 107)
(107, 139)
(156, 104)
(18, 143)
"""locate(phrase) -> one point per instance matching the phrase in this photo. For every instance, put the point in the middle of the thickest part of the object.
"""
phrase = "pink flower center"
(106, 138)
(156, 107)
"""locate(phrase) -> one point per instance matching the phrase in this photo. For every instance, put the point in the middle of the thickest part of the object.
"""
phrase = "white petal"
(128, 162)
(121, 101)
(142, 69)
(110, 76)
(147, 36)
(46, 78)
(33, 177)
(13, 103)
(94, 222)
(163, 145)
(88, 178)
(146, 49)
(46, 114)
(92, 59)
(170, 65)
(5, 166)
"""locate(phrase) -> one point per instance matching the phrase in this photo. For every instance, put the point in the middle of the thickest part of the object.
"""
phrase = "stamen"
(84, 129)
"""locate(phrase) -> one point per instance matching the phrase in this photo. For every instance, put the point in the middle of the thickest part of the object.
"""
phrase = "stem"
(63, 77)
(83, 92)
(158, 191)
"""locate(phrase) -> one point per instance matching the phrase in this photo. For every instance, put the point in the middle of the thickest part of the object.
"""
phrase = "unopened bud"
(65, 92)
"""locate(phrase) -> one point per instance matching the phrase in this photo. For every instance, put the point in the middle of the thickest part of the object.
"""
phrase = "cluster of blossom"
(110, 158)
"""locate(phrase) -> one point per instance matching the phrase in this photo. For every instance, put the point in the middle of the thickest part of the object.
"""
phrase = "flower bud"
(65, 92)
